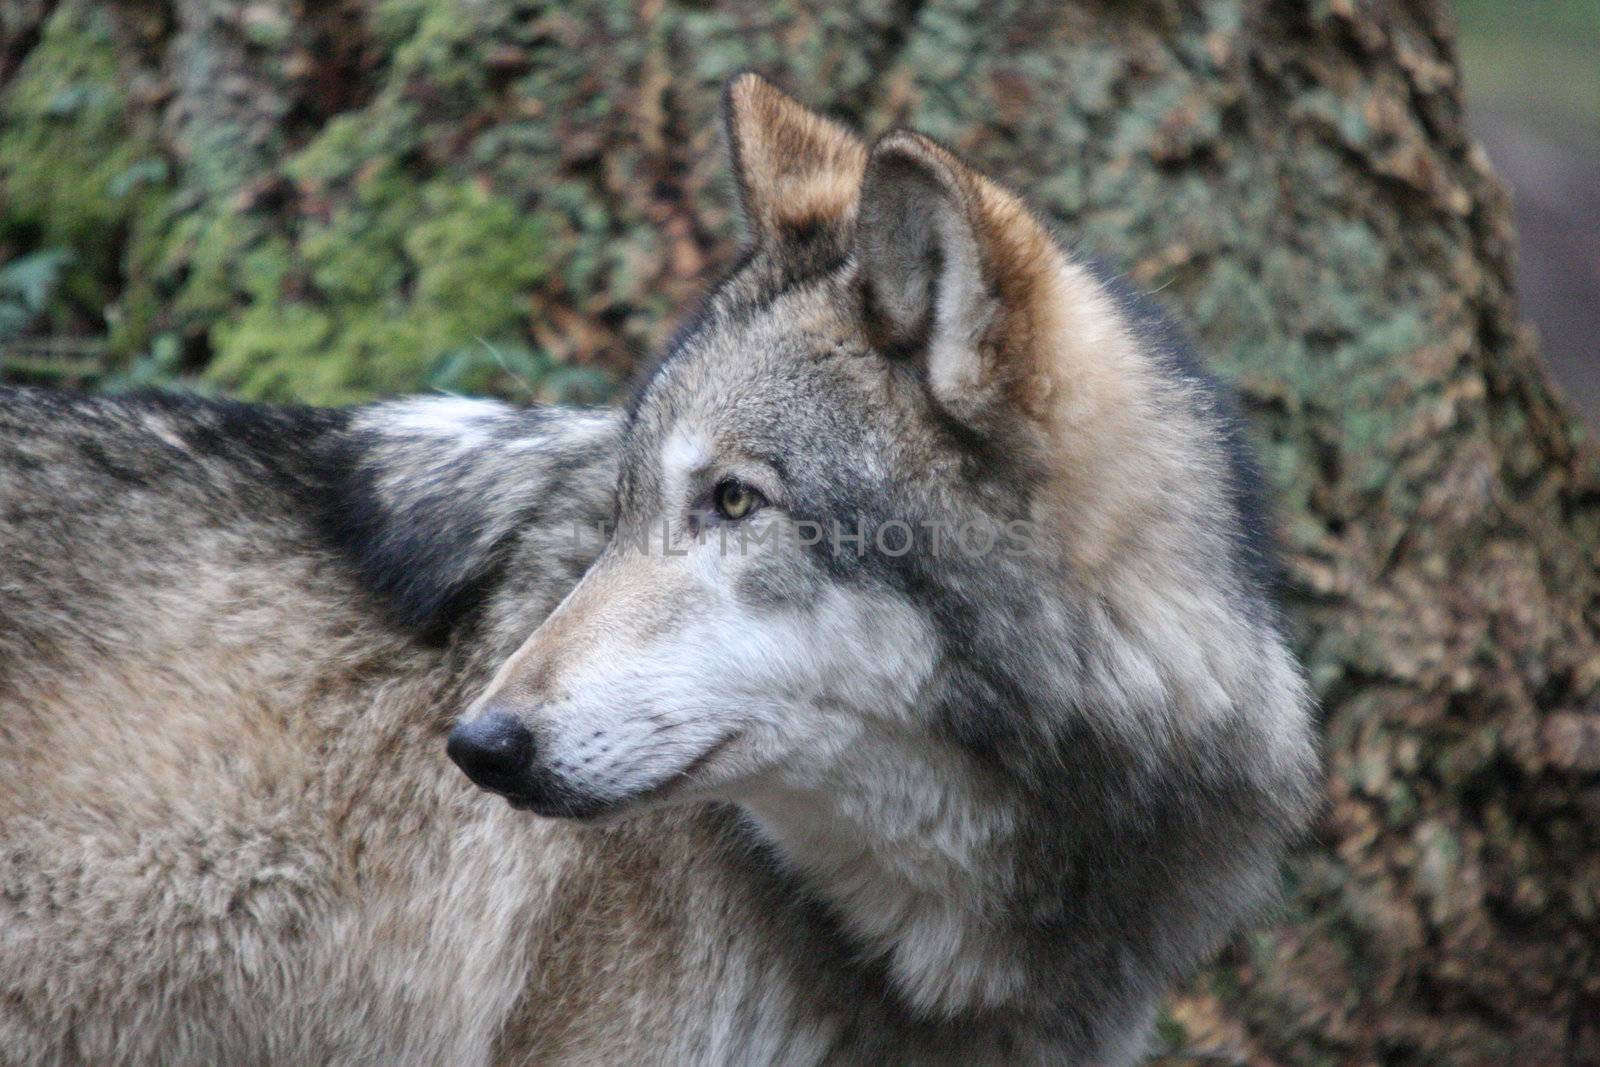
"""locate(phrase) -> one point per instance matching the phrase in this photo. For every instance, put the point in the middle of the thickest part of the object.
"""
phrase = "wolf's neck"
(912, 845)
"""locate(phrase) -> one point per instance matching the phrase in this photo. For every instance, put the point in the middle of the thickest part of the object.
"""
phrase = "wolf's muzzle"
(499, 754)
(495, 750)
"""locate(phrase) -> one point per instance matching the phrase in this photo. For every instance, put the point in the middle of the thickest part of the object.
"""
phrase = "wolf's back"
(224, 684)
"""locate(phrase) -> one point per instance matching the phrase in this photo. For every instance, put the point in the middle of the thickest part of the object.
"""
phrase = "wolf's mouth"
(553, 798)
(558, 803)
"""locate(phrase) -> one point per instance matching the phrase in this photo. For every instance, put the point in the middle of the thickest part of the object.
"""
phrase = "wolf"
(918, 696)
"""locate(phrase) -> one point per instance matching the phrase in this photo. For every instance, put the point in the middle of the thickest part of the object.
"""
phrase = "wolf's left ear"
(955, 272)
(799, 173)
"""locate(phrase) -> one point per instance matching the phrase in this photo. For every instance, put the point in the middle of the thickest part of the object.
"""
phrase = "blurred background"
(302, 255)
(1532, 70)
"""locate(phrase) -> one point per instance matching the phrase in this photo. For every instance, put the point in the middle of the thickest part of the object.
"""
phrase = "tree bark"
(1294, 179)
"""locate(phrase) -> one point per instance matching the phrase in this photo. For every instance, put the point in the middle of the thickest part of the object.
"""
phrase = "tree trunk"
(359, 193)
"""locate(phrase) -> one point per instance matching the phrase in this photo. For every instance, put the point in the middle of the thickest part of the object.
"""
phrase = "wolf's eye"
(735, 500)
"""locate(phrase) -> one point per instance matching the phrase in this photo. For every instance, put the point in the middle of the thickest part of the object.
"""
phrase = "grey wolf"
(797, 800)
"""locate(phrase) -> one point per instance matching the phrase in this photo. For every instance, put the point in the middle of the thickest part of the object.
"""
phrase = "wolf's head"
(909, 480)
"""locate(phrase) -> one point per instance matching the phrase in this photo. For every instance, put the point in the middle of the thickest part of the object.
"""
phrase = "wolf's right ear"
(799, 173)
(956, 273)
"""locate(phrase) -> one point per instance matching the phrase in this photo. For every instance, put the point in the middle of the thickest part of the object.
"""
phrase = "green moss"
(375, 138)
(442, 44)
(76, 173)
(209, 249)
(474, 253)
(62, 146)
(1171, 1035)
(372, 300)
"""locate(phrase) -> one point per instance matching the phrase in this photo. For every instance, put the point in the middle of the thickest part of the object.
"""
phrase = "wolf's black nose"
(495, 751)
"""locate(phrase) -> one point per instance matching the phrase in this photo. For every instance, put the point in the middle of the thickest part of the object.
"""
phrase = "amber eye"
(735, 500)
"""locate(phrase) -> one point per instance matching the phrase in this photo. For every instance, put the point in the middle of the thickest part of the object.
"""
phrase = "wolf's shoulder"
(421, 497)
(293, 448)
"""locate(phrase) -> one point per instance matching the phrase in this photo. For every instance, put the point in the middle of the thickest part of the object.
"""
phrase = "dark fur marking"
(405, 563)
(99, 459)
(430, 561)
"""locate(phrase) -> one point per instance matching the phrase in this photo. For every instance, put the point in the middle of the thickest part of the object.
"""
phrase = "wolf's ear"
(955, 272)
(799, 174)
